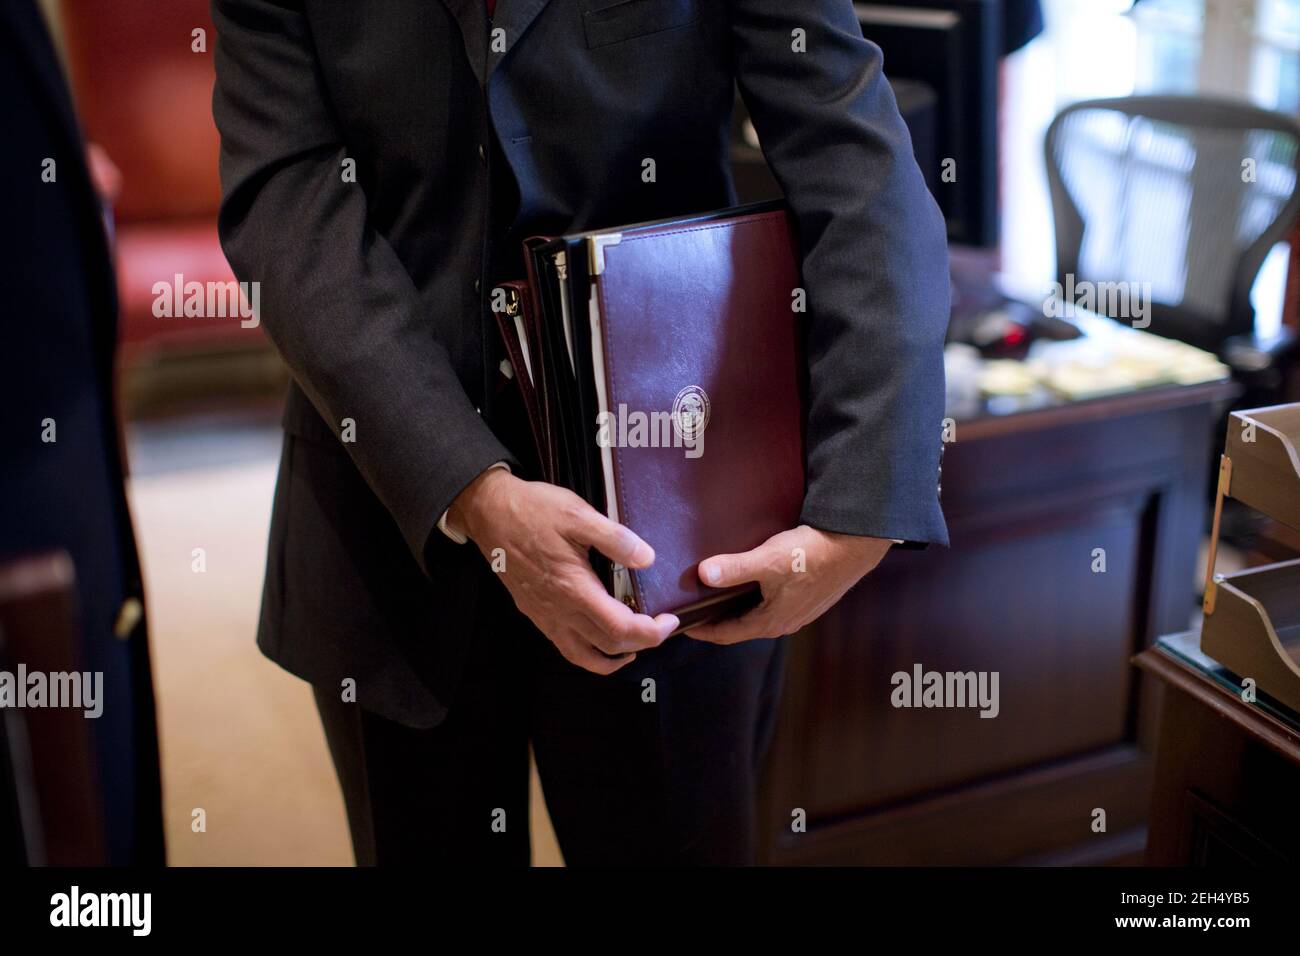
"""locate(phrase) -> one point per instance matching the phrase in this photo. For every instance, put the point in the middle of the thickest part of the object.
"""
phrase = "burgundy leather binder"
(661, 370)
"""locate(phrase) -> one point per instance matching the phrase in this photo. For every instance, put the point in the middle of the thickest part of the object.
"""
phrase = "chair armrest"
(1254, 353)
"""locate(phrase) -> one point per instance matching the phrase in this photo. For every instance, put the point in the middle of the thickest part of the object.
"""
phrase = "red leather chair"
(145, 96)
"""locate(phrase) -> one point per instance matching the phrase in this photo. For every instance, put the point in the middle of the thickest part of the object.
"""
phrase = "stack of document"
(661, 369)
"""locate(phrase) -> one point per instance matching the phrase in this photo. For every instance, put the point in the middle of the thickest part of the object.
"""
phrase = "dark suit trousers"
(626, 780)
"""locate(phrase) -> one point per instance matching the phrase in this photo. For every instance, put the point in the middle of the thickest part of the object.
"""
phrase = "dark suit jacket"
(464, 141)
(60, 331)
(1022, 20)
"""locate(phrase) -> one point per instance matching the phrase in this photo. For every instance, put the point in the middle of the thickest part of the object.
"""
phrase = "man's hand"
(544, 532)
(802, 572)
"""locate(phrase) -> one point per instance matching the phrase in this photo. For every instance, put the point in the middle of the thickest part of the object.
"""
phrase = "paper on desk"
(1111, 358)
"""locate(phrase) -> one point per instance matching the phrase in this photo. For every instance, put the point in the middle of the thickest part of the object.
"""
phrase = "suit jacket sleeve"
(875, 266)
(335, 298)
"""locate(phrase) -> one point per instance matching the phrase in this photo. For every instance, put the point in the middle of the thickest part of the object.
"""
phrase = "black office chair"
(1189, 194)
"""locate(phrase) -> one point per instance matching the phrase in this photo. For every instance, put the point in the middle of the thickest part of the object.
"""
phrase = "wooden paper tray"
(1255, 628)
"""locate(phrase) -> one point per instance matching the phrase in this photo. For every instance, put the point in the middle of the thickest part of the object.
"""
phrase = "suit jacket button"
(482, 154)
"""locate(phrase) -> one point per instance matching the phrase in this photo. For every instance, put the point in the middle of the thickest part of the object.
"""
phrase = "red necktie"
(492, 6)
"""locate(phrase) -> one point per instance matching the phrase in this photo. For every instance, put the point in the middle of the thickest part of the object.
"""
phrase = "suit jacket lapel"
(471, 17)
(513, 17)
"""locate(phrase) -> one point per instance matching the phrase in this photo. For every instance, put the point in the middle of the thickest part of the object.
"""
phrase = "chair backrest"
(52, 774)
(144, 94)
(1188, 194)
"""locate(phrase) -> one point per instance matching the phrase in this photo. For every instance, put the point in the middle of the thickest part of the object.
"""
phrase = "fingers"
(669, 622)
(559, 591)
(621, 545)
(733, 630)
(575, 649)
(637, 633)
(614, 627)
(605, 623)
(727, 570)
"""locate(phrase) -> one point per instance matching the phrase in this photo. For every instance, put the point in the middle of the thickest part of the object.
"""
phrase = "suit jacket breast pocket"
(625, 19)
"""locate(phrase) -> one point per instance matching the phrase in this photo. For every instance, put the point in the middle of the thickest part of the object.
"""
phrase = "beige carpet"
(240, 739)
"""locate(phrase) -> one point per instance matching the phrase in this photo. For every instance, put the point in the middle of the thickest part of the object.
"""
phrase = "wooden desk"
(1227, 772)
(1029, 497)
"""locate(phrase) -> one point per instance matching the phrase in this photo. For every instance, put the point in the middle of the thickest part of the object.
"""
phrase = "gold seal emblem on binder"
(691, 413)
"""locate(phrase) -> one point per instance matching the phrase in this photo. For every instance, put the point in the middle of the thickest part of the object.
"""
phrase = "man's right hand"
(545, 532)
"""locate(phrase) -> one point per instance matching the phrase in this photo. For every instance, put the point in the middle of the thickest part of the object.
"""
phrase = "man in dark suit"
(380, 166)
(61, 487)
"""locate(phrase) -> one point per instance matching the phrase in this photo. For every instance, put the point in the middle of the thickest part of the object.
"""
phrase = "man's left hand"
(802, 573)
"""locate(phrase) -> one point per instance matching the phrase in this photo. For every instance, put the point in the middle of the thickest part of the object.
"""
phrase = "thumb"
(727, 570)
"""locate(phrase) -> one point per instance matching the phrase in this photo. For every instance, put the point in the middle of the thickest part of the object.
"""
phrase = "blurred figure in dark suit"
(1022, 20)
(62, 483)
